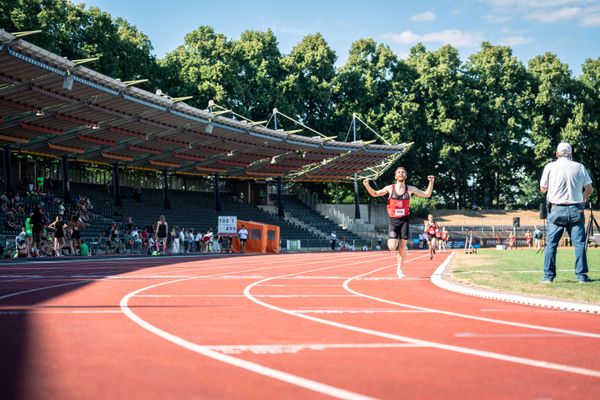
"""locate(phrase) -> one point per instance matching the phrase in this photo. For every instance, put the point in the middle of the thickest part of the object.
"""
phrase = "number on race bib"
(399, 212)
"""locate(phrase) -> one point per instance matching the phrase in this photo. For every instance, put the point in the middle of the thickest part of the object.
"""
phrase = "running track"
(293, 326)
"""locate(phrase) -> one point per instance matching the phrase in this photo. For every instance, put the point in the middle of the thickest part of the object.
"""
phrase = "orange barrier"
(262, 238)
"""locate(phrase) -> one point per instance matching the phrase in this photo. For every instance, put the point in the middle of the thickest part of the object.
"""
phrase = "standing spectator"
(40, 184)
(243, 234)
(333, 240)
(162, 227)
(76, 226)
(207, 239)
(198, 241)
(182, 241)
(37, 225)
(191, 238)
(59, 234)
(537, 238)
(568, 187)
(175, 240)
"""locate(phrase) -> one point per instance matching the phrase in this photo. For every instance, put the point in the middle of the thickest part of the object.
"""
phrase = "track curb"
(441, 279)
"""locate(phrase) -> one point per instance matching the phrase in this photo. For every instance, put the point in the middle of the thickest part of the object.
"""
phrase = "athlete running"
(398, 209)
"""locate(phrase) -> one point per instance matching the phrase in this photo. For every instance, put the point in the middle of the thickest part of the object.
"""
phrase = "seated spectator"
(22, 249)
(84, 249)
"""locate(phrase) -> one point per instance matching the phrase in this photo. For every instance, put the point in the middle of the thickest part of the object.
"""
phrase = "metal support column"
(356, 198)
(66, 183)
(217, 195)
(117, 185)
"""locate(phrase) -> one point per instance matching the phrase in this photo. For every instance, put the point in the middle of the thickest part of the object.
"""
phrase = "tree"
(75, 32)
(583, 128)
(200, 67)
(307, 84)
(500, 97)
(553, 104)
(362, 86)
(257, 68)
(429, 109)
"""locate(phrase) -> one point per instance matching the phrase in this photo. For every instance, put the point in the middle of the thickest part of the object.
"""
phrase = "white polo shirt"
(565, 180)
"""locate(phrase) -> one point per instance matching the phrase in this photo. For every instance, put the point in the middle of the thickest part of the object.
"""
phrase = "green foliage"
(75, 32)
(421, 207)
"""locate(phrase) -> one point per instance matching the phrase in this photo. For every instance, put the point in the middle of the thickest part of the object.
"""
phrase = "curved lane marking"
(247, 365)
(441, 346)
(467, 316)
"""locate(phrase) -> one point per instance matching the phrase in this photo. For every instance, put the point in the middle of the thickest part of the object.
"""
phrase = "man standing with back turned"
(568, 187)
(398, 210)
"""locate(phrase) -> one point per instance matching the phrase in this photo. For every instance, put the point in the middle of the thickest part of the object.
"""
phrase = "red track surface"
(280, 326)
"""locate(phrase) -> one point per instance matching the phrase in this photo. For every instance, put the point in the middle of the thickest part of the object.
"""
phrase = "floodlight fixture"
(68, 81)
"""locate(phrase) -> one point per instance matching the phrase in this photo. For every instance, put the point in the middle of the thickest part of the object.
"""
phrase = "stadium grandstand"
(56, 109)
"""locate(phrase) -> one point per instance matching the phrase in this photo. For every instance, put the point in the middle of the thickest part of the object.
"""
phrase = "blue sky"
(567, 28)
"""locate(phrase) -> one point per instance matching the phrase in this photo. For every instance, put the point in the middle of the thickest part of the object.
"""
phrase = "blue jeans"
(572, 219)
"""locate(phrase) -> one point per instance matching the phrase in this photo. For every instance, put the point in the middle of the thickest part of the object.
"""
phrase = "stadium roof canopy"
(52, 106)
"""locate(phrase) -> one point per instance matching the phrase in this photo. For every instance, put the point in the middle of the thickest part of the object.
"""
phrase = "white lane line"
(441, 346)
(467, 316)
(296, 348)
(365, 311)
(277, 296)
(22, 312)
(507, 335)
(250, 366)
(307, 285)
(6, 296)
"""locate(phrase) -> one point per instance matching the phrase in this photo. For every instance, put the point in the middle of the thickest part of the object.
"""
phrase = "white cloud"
(562, 14)
(403, 55)
(591, 20)
(426, 16)
(497, 18)
(515, 40)
(543, 11)
(454, 37)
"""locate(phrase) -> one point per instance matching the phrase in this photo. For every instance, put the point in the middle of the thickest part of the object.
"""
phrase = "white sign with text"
(227, 225)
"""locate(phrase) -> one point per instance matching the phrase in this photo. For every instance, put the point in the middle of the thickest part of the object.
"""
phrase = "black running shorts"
(398, 228)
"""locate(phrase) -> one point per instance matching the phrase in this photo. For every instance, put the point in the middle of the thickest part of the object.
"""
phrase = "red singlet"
(398, 205)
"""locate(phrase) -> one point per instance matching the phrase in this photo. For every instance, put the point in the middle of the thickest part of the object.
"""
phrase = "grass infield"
(521, 272)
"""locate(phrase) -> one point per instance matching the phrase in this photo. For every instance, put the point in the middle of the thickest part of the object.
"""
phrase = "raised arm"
(373, 192)
(426, 193)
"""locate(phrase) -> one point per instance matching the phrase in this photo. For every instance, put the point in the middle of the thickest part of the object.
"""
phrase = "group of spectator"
(159, 238)
(38, 234)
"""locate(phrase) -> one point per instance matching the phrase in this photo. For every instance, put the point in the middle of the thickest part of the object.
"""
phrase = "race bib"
(399, 212)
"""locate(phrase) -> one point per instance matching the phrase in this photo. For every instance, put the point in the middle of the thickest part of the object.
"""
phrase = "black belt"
(564, 205)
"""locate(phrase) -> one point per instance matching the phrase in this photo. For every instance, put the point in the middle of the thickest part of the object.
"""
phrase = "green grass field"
(521, 272)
